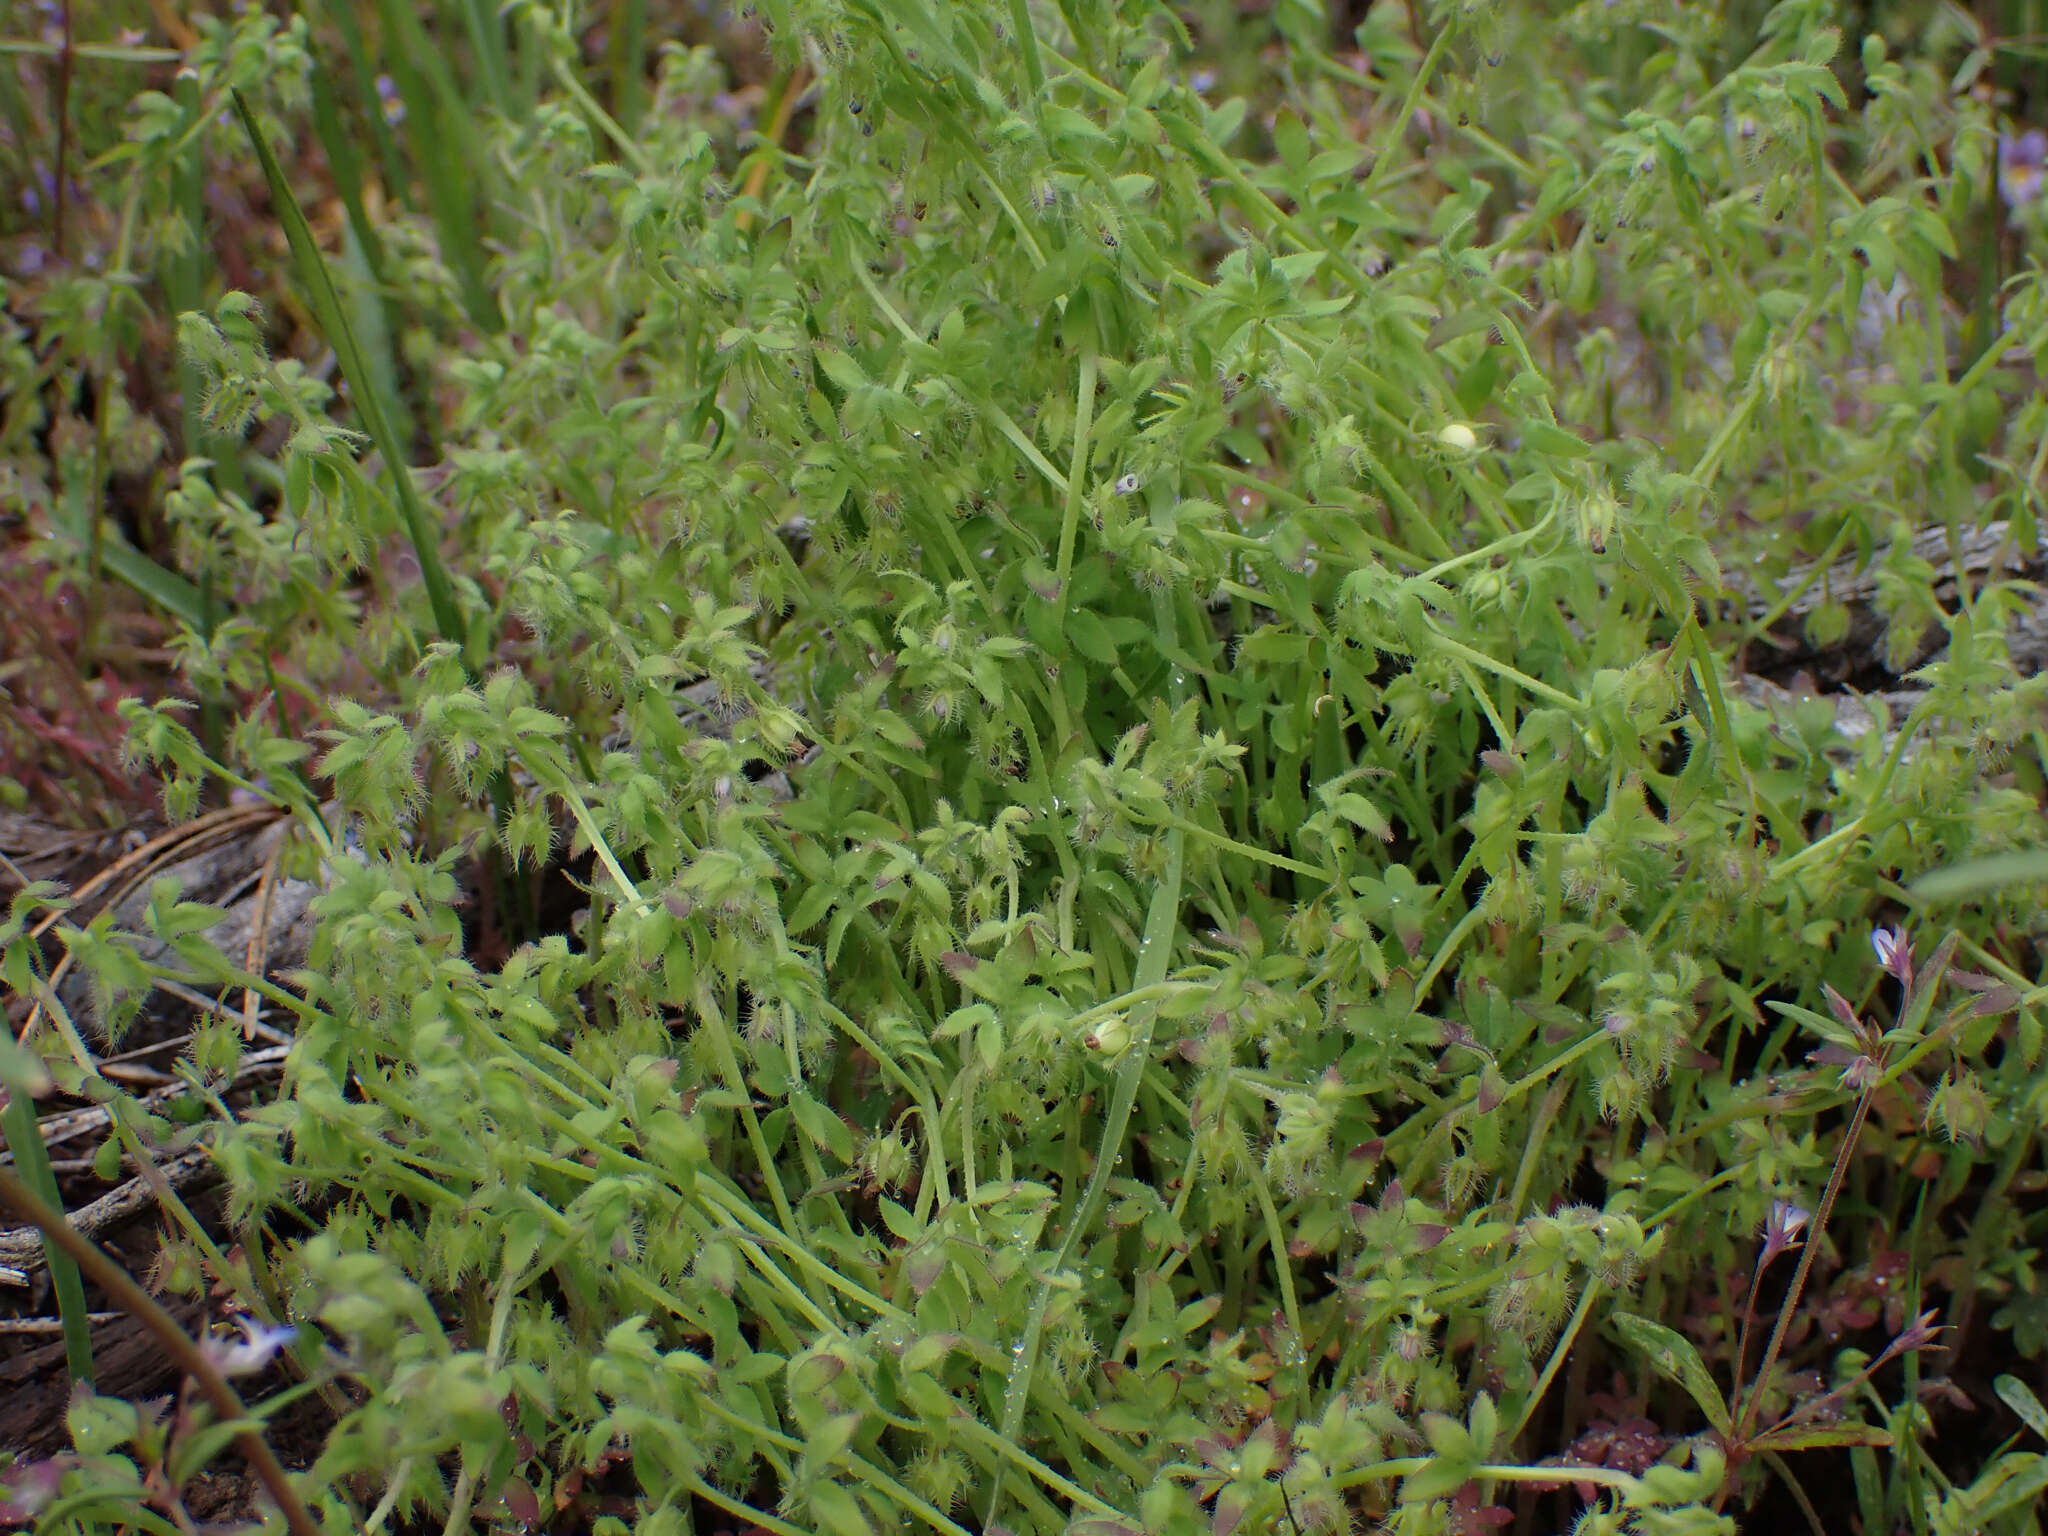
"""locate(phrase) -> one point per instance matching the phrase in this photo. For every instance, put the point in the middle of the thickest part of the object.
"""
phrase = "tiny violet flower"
(1843, 1010)
(1894, 954)
(28, 1486)
(1782, 1229)
(2022, 163)
(258, 1346)
(1922, 1333)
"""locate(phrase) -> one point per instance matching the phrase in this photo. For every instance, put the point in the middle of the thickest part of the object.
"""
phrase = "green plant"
(1175, 898)
(2006, 1495)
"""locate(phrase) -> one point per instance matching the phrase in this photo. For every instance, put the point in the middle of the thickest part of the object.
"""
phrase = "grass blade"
(1155, 954)
(129, 565)
(349, 26)
(1973, 877)
(333, 321)
(25, 1140)
(487, 36)
(627, 60)
(447, 151)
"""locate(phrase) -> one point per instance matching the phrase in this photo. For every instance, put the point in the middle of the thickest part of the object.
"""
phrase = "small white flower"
(1886, 943)
(1788, 1219)
(258, 1346)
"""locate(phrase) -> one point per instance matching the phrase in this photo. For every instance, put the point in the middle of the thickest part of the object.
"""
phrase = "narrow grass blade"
(363, 296)
(1155, 954)
(363, 257)
(25, 1140)
(184, 291)
(348, 24)
(347, 168)
(182, 275)
(448, 153)
(628, 62)
(1974, 877)
(487, 36)
(333, 321)
(129, 565)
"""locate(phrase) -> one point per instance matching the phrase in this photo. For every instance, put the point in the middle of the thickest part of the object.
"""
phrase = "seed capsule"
(1110, 1036)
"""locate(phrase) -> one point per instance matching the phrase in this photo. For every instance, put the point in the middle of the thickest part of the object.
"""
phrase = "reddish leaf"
(521, 1502)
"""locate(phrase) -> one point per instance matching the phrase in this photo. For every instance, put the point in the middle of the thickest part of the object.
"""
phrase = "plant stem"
(1745, 1418)
(173, 1340)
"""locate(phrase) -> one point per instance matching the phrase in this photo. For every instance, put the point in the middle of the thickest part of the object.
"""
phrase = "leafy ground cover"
(1035, 756)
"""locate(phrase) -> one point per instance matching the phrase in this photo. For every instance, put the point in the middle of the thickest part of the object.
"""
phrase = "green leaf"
(962, 1020)
(1545, 438)
(824, 1127)
(1833, 1031)
(837, 1511)
(2017, 1396)
(195, 1449)
(1091, 637)
(1439, 1479)
(1672, 1355)
(1448, 1438)
(1071, 129)
(1291, 139)
(810, 909)
(2016, 1483)
(902, 1225)
(841, 369)
(1484, 1423)
(927, 1398)
(1812, 1437)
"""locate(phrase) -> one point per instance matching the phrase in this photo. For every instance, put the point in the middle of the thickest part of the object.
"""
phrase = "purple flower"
(1782, 1229)
(2020, 167)
(258, 1344)
(27, 1486)
(1894, 954)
